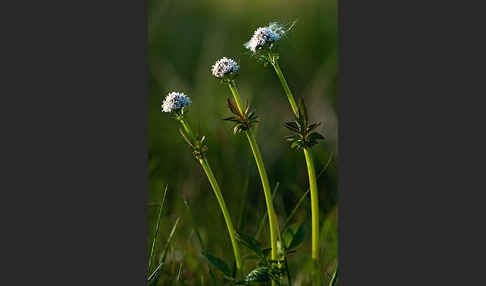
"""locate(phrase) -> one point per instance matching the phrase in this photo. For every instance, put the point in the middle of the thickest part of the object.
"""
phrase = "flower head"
(175, 101)
(225, 68)
(265, 36)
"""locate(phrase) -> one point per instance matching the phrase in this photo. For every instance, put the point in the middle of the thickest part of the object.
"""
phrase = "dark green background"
(184, 39)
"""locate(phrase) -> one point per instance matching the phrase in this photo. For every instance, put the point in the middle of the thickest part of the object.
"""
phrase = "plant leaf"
(232, 118)
(260, 274)
(232, 106)
(156, 272)
(302, 111)
(334, 277)
(313, 126)
(218, 263)
(250, 243)
(316, 136)
(292, 125)
(294, 235)
(157, 226)
(248, 257)
(185, 137)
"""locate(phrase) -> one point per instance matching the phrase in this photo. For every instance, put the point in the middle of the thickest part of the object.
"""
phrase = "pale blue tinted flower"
(175, 101)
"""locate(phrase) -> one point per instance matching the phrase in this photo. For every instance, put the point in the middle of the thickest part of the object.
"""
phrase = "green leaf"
(232, 106)
(266, 252)
(218, 263)
(249, 257)
(334, 277)
(302, 111)
(294, 235)
(294, 144)
(313, 126)
(185, 137)
(250, 243)
(260, 274)
(316, 136)
(292, 125)
(264, 217)
(155, 273)
(232, 118)
(157, 226)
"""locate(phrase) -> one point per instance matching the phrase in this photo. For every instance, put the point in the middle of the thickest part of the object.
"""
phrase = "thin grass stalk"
(310, 166)
(219, 196)
(263, 175)
(157, 227)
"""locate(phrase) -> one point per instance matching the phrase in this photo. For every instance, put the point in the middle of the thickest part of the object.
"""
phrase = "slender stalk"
(187, 128)
(224, 209)
(219, 196)
(272, 220)
(285, 85)
(314, 203)
(310, 165)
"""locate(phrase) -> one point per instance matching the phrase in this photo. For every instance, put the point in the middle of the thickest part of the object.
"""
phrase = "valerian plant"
(175, 103)
(263, 45)
(226, 71)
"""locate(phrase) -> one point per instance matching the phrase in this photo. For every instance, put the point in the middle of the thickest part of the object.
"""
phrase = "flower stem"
(263, 176)
(310, 165)
(187, 128)
(219, 196)
(222, 204)
(284, 85)
(314, 202)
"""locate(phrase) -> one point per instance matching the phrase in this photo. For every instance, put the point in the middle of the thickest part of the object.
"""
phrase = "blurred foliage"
(184, 39)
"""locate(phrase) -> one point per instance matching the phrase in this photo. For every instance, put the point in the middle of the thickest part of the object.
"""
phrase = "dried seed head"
(175, 101)
(265, 36)
(224, 68)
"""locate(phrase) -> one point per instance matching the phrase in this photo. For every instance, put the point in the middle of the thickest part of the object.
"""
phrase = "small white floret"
(264, 36)
(175, 101)
(224, 67)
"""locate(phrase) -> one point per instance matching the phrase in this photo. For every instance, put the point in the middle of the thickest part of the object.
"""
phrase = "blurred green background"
(184, 39)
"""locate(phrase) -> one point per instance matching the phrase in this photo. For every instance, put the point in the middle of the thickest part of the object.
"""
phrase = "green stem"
(187, 128)
(285, 85)
(219, 196)
(224, 209)
(272, 220)
(310, 165)
(314, 203)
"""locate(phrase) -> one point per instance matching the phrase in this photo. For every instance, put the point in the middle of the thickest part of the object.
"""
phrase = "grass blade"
(164, 253)
(264, 218)
(198, 235)
(334, 277)
(194, 224)
(245, 193)
(157, 226)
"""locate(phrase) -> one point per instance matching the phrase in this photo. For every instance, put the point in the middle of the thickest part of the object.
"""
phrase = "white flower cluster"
(224, 67)
(264, 36)
(175, 101)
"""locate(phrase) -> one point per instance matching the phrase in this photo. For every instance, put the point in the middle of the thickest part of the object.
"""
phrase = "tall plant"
(175, 104)
(244, 119)
(263, 45)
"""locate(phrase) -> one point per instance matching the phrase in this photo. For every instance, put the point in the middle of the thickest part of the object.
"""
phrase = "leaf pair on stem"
(303, 136)
(243, 121)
